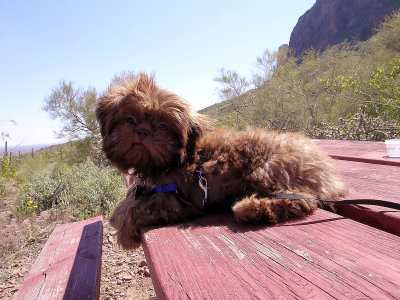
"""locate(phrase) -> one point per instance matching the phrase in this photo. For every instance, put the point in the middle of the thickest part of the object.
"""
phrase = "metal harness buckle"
(201, 178)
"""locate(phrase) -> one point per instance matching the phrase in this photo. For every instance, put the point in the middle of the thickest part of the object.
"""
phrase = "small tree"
(5, 135)
(233, 88)
(75, 108)
(264, 67)
(233, 85)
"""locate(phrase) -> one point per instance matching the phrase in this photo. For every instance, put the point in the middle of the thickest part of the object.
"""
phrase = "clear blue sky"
(183, 42)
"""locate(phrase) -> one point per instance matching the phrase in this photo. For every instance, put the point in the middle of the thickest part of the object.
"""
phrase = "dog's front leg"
(149, 210)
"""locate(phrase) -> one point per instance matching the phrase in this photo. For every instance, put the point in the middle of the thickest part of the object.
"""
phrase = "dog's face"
(145, 127)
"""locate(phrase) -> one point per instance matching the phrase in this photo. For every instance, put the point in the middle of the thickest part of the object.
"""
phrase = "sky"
(183, 43)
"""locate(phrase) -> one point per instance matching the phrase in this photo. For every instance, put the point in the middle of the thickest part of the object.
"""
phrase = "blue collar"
(165, 188)
(200, 178)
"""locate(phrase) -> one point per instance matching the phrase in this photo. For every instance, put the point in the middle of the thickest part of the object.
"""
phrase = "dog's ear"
(105, 113)
(199, 125)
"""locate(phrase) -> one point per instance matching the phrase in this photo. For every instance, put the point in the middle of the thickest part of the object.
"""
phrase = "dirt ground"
(124, 274)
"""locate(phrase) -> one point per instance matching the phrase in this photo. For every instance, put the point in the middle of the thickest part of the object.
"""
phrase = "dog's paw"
(329, 206)
(301, 207)
(255, 210)
(271, 210)
(129, 240)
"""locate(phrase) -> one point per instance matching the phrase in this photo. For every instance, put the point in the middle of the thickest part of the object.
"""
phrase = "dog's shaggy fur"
(156, 134)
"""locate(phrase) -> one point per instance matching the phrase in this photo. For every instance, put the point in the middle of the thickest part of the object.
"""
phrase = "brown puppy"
(183, 169)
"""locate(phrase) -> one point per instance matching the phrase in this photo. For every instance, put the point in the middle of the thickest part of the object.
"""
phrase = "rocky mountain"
(330, 22)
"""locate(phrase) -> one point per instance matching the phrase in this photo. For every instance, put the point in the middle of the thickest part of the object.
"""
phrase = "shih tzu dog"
(181, 169)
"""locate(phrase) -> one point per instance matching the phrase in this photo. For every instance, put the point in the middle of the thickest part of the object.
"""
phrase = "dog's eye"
(162, 125)
(130, 121)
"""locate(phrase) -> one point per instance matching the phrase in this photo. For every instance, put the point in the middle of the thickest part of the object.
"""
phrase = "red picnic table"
(371, 174)
(323, 256)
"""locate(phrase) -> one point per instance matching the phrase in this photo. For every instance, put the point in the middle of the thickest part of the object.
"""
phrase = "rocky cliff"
(330, 22)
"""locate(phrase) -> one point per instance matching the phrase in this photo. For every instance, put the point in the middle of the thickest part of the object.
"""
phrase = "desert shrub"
(7, 174)
(3, 189)
(359, 126)
(83, 190)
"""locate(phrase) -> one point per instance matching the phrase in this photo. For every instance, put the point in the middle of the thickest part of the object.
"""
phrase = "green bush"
(7, 174)
(82, 190)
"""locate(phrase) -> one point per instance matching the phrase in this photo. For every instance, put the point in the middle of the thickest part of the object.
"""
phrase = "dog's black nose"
(143, 132)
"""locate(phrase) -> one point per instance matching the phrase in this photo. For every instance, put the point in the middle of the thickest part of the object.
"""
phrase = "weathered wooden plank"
(370, 174)
(369, 152)
(69, 265)
(372, 181)
(377, 181)
(324, 256)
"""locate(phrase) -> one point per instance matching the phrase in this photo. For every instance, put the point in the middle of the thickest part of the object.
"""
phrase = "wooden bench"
(69, 265)
(324, 256)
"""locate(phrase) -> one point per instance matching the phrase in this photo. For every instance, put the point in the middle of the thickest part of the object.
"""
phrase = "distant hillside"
(24, 149)
(328, 94)
(224, 112)
(330, 22)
